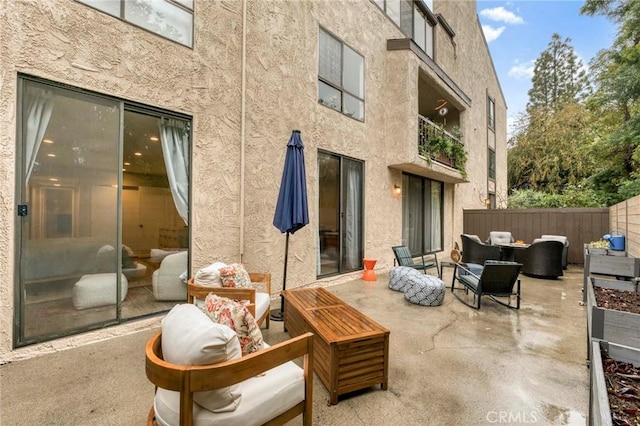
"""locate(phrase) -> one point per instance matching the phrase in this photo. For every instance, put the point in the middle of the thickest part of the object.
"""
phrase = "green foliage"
(551, 151)
(442, 143)
(573, 196)
(616, 102)
(559, 77)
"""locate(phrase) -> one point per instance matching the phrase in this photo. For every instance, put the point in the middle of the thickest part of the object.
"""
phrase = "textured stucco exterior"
(242, 119)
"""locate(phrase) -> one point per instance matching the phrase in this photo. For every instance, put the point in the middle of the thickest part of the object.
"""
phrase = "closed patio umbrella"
(292, 212)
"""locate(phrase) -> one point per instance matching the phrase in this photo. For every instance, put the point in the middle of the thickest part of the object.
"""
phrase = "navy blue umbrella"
(292, 211)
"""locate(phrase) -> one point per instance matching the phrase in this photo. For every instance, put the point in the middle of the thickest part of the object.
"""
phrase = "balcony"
(437, 144)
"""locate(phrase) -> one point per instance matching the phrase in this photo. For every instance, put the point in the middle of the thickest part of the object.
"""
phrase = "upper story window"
(172, 19)
(340, 77)
(415, 19)
(492, 164)
(491, 113)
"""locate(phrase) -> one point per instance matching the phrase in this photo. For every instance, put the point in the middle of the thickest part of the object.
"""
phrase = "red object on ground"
(369, 274)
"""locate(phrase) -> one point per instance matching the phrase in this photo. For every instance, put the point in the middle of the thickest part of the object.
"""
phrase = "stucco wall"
(235, 179)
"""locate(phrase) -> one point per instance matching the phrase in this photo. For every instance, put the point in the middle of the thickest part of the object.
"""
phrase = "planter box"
(597, 251)
(599, 409)
(609, 325)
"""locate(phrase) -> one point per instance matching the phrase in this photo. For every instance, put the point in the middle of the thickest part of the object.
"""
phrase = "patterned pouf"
(399, 278)
(425, 290)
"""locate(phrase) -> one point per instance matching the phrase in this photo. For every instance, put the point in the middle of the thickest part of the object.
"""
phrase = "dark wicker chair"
(542, 259)
(405, 258)
(475, 251)
(497, 279)
(564, 240)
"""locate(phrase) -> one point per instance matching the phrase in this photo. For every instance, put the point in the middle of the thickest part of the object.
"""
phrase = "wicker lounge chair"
(542, 259)
(475, 251)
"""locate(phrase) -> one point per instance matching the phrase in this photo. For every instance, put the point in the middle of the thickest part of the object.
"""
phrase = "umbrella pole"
(278, 314)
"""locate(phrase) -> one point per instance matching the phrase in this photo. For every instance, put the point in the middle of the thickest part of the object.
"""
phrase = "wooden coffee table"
(351, 351)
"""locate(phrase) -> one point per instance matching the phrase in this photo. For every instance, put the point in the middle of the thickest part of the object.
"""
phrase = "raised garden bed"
(613, 319)
(615, 385)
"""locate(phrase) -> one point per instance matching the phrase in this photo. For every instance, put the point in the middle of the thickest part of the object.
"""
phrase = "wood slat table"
(351, 351)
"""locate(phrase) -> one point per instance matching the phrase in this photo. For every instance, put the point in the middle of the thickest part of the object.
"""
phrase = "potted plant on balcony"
(445, 148)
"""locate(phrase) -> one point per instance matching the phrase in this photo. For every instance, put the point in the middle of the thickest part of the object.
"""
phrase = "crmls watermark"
(510, 417)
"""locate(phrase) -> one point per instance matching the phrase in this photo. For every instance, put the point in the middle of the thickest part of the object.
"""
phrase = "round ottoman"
(93, 290)
(399, 277)
(425, 290)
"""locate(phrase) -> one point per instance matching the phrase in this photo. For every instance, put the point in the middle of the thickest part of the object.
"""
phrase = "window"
(492, 164)
(412, 20)
(421, 214)
(491, 113)
(340, 77)
(106, 185)
(172, 19)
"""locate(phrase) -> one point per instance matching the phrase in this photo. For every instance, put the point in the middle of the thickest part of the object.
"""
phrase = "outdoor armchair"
(403, 257)
(500, 237)
(202, 378)
(497, 279)
(257, 298)
(475, 251)
(564, 240)
(542, 259)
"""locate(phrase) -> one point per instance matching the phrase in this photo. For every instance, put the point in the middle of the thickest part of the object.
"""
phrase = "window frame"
(341, 88)
(180, 4)
(491, 113)
(491, 164)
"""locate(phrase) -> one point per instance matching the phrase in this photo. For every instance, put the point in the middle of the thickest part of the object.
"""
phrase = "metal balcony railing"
(436, 143)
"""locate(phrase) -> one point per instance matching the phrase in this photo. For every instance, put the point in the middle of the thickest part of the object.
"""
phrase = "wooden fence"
(625, 217)
(580, 226)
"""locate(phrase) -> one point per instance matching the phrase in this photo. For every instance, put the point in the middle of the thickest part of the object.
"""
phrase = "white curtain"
(412, 213)
(436, 216)
(174, 137)
(38, 106)
(353, 215)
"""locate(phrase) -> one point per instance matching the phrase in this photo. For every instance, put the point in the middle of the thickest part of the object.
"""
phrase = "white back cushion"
(209, 275)
(189, 337)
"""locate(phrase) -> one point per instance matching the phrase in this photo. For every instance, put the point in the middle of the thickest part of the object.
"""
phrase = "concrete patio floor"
(449, 365)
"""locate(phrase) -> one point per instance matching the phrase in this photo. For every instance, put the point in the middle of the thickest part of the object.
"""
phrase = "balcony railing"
(435, 143)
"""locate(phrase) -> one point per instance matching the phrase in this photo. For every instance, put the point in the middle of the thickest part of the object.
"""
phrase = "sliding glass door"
(95, 198)
(422, 209)
(340, 200)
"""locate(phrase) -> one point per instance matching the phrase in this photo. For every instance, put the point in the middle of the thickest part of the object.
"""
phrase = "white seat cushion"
(263, 398)
(263, 303)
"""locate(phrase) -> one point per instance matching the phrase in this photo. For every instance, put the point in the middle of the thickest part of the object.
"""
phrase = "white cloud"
(491, 33)
(524, 70)
(500, 14)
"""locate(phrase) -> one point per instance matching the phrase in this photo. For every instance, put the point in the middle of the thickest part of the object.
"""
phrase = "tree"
(617, 99)
(559, 77)
(551, 150)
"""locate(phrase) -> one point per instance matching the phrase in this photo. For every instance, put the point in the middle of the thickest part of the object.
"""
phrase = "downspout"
(243, 95)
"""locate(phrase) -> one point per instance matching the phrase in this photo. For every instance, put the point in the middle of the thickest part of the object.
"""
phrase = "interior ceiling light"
(138, 154)
(51, 155)
(47, 141)
(154, 138)
(127, 163)
(56, 184)
(53, 179)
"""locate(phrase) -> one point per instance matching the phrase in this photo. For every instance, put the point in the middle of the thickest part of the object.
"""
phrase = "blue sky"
(517, 31)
